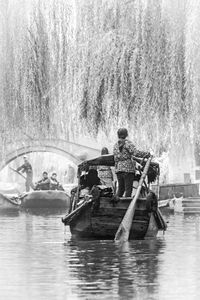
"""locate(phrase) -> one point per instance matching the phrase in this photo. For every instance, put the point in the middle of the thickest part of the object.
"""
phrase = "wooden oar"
(158, 188)
(18, 173)
(123, 231)
(67, 218)
(162, 221)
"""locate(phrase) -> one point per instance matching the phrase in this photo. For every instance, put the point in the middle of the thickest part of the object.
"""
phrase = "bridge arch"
(72, 151)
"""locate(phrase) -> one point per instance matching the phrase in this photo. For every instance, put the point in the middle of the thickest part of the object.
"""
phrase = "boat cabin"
(108, 161)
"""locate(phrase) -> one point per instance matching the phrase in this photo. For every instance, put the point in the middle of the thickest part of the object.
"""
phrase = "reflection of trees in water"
(107, 267)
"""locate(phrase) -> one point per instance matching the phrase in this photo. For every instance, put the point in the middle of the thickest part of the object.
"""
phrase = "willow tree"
(124, 49)
(35, 65)
(192, 61)
(11, 79)
(89, 66)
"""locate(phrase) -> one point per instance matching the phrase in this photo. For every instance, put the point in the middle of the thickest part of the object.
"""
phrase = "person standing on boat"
(104, 172)
(124, 165)
(27, 168)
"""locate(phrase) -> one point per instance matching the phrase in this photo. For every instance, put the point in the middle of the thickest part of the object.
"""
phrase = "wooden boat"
(99, 214)
(45, 199)
(7, 203)
(38, 199)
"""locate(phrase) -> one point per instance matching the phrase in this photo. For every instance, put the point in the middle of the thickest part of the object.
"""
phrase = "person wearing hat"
(27, 168)
(124, 165)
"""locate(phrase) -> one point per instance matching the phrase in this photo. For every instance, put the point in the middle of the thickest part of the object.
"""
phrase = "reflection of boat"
(128, 271)
(39, 199)
(99, 214)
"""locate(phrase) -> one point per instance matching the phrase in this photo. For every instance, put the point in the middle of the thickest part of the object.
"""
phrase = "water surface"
(40, 260)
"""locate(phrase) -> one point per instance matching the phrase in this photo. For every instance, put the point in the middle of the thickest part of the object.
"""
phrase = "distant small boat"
(45, 199)
(99, 214)
(37, 199)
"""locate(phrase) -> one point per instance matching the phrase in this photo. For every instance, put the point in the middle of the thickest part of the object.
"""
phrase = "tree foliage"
(72, 67)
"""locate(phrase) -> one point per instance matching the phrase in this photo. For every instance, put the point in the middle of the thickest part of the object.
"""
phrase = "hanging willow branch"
(103, 64)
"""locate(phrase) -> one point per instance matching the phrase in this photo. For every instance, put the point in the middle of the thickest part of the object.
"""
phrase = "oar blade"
(122, 234)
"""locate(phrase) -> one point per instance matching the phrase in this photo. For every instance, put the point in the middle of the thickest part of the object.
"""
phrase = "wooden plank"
(106, 227)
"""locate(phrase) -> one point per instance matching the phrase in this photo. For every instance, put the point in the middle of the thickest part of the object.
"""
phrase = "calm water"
(39, 260)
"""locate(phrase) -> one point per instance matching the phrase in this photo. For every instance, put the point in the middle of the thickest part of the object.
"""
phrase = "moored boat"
(8, 203)
(99, 213)
(38, 199)
(45, 199)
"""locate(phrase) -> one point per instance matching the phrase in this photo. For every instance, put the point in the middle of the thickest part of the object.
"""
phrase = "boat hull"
(101, 221)
(6, 203)
(45, 199)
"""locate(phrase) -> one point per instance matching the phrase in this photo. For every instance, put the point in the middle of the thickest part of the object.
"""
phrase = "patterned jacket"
(122, 156)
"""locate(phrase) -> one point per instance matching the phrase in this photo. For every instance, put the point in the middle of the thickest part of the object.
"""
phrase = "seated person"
(87, 181)
(44, 183)
(105, 172)
(90, 179)
(54, 183)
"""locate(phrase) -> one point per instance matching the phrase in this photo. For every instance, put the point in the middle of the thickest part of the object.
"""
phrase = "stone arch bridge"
(73, 151)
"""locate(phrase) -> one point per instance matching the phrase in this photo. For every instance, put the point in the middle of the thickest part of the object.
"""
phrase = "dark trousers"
(125, 184)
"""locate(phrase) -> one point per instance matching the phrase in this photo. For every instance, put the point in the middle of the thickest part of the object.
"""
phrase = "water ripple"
(40, 260)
